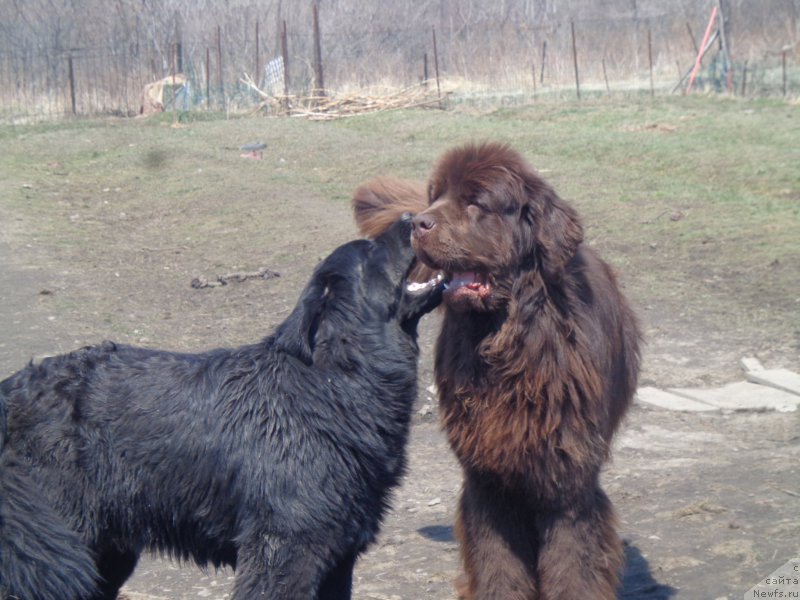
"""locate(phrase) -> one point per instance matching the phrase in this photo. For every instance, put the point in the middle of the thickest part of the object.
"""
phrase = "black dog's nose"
(423, 223)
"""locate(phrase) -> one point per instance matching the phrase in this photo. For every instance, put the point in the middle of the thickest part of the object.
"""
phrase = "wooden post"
(605, 76)
(92, 82)
(436, 66)
(257, 74)
(783, 67)
(319, 81)
(744, 79)
(425, 75)
(279, 20)
(544, 59)
(208, 79)
(179, 56)
(219, 67)
(723, 36)
(575, 60)
(178, 44)
(285, 57)
(71, 73)
(650, 61)
(174, 94)
(636, 22)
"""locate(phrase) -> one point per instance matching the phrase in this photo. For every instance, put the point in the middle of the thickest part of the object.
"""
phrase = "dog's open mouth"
(467, 285)
(457, 286)
(420, 287)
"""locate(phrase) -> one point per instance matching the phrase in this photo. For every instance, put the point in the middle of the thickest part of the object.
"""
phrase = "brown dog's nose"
(422, 224)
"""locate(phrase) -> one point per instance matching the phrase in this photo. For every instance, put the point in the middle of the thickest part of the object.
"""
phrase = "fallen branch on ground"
(237, 277)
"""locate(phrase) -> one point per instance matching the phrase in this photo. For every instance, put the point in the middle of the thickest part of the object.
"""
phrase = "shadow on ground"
(638, 582)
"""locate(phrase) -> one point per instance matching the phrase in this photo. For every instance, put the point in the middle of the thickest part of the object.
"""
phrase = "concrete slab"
(782, 379)
(752, 364)
(668, 401)
(743, 396)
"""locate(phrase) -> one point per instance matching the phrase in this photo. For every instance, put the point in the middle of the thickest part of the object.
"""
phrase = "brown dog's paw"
(463, 590)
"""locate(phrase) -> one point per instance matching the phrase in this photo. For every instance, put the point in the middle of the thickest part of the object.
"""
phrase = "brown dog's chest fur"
(519, 401)
(536, 365)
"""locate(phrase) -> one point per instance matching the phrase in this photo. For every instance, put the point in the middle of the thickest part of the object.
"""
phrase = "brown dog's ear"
(381, 201)
(554, 231)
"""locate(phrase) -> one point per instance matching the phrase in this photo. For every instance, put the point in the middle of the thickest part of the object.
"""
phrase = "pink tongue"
(469, 280)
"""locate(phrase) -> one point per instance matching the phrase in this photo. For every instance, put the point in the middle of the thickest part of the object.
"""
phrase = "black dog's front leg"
(338, 583)
(276, 569)
(114, 567)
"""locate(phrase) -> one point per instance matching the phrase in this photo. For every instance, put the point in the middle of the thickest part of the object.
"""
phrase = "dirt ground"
(708, 504)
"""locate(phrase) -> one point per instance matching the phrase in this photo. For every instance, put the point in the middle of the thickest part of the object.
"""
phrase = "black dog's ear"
(552, 229)
(297, 334)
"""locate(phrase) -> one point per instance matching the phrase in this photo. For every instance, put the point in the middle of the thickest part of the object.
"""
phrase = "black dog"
(275, 458)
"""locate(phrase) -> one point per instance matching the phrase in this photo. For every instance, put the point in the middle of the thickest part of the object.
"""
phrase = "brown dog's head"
(491, 217)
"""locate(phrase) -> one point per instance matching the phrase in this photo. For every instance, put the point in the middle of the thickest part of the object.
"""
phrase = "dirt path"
(26, 323)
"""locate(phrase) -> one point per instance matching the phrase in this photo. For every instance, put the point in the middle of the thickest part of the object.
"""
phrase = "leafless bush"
(93, 56)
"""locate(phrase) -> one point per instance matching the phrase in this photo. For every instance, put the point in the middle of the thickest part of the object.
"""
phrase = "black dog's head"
(358, 301)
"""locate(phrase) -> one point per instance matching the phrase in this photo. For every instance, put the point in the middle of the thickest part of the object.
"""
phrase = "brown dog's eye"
(474, 211)
(477, 203)
(434, 191)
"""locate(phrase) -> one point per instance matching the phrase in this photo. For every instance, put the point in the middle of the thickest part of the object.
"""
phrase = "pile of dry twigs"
(336, 106)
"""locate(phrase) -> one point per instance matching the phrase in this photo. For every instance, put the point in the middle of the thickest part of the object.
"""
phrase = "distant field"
(696, 201)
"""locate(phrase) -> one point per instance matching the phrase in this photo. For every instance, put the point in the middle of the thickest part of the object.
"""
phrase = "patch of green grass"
(670, 189)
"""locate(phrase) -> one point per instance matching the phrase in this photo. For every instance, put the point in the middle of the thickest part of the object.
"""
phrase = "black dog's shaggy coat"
(275, 458)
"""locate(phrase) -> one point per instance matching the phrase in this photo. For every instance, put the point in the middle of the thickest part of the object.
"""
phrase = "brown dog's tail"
(381, 201)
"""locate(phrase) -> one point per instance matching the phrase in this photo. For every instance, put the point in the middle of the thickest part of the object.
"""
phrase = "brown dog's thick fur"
(536, 365)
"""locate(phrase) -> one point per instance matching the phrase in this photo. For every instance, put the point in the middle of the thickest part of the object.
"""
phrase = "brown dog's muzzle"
(422, 224)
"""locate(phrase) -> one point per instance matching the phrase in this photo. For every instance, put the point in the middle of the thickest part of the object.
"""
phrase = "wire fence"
(502, 62)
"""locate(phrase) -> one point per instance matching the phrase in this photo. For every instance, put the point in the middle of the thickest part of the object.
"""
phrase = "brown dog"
(536, 364)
